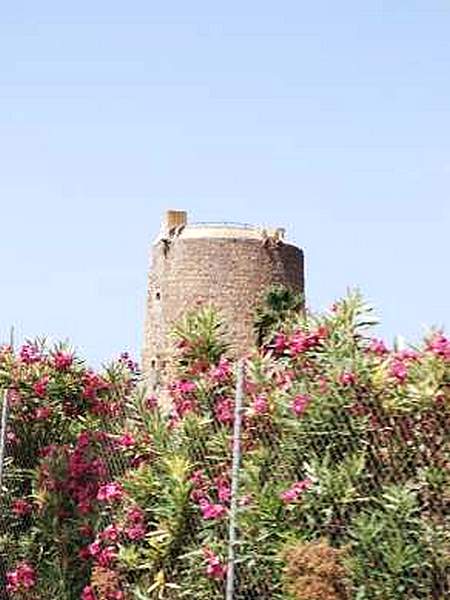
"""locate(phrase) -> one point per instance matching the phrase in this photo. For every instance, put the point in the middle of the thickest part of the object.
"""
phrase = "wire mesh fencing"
(4, 529)
(41, 481)
(249, 490)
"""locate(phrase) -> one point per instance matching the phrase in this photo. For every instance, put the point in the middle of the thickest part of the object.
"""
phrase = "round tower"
(228, 265)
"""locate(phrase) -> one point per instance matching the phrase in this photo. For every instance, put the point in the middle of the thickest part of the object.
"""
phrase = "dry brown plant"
(315, 571)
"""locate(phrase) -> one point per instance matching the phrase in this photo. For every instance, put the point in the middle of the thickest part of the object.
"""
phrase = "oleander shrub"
(344, 482)
(65, 422)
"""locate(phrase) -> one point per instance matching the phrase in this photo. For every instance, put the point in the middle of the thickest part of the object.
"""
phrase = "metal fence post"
(232, 539)
(3, 423)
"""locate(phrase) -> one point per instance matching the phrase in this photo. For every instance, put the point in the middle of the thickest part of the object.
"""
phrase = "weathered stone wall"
(232, 273)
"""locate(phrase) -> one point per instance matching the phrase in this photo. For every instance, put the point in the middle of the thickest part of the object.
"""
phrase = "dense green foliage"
(345, 442)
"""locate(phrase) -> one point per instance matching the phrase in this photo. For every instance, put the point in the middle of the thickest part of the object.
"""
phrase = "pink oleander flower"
(21, 508)
(301, 341)
(222, 371)
(15, 398)
(292, 494)
(98, 468)
(126, 360)
(106, 556)
(298, 344)
(62, 360)
(260, 405)
(198, 478)
(135, 533)
(43, 413)
(407, 355)
(224, 493)
(299, 404)
(399, 371)
(183, 345)
(322, 332)
(211, 511)
(347, 378)
(184, 407)
(198, 494)
(126, 441)
(40, 387)
(186, 387)
(224, 411)
(29, 354)
(214, 567)
(439, 345)
(135, 515)
(11, 438)
(83, 440)
(110, 533)
(289, 496)
(95, 548)
(174, 421)
(280, 343)
(377, 347)
(22, 579)
(88, 593)
(84, 553)
(223, 489)
(151, 403)
(92, 384)
(440, 399)
(110, 492)
(285, 379)
(200, 486)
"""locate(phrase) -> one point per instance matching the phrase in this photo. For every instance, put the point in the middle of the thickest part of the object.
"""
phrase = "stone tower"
(229, 265)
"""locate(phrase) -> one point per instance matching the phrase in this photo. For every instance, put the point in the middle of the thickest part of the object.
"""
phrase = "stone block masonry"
(227, 265)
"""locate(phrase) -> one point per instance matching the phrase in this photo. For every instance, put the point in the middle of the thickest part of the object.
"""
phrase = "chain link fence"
(346, 500)
(19, 486)
(4, 507)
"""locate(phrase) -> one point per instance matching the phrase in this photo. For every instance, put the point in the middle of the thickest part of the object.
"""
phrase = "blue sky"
(332, 119)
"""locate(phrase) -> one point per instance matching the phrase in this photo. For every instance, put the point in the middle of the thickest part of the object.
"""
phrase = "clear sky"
(330, 118)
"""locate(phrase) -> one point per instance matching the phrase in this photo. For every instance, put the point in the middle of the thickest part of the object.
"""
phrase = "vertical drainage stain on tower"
(229, 265)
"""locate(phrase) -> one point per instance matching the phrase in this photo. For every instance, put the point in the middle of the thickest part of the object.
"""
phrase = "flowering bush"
(345, 454)
(343, 440)
(59, 439)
